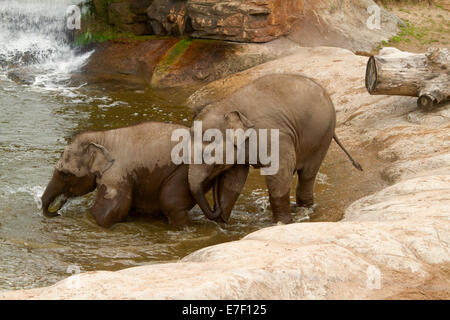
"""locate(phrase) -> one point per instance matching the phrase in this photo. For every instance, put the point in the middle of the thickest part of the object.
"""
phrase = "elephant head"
(75, 174)
(219, 171)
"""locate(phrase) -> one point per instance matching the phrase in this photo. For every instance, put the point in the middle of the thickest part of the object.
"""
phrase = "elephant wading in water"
(131, 168)
(305, 116)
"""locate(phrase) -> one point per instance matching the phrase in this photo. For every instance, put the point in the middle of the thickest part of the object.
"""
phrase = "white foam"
(322, 178)
(262, 199)
(35, 192)
(33, 33)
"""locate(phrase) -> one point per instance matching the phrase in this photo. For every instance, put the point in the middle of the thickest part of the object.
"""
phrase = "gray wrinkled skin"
(305, 116)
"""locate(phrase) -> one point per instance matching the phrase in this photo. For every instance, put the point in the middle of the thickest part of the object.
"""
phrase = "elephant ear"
(236, 120)
(100, 159)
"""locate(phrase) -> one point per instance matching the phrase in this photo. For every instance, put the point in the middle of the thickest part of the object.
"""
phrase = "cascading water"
(33, 34)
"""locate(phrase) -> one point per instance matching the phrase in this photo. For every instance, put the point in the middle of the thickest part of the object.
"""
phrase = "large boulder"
(22, 76)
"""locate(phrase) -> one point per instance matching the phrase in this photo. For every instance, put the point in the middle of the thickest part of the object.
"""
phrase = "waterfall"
(33, 33)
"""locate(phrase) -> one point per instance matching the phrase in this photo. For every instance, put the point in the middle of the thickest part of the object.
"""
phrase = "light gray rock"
(345, 260)
(423, 197)
(22, 76)
(357, 25)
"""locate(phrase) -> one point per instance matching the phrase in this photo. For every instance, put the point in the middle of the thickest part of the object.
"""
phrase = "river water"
(36, 118)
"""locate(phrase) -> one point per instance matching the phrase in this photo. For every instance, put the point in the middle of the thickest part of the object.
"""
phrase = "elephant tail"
(355, 164)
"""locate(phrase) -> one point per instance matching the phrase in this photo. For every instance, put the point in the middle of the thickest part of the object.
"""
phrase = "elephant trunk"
(196, 181)
(54, 189)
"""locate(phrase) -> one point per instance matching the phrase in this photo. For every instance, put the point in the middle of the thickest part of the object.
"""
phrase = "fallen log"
(425, 75)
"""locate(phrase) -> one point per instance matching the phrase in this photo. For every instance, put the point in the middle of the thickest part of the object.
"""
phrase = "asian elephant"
(132, 169)
(305, 116)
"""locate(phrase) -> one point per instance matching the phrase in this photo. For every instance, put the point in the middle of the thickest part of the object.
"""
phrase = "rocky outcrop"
(235, 20)
(394, 203)
(174, 62)
(179, 62)
(341, 23)
(22, 76)
(392, 244)
(357, 25)
(125, 15)
(241, 20)
(168, 17)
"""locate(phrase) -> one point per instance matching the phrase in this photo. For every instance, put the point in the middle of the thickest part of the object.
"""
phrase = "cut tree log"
(425, 75)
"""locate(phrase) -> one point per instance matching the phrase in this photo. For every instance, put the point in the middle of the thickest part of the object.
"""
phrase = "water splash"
(35, 192)
(261, 199)
(322, 178)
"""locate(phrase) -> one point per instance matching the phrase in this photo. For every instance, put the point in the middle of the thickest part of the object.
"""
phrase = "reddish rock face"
(243, 20)
(127, 61)
(166, 62)
(125, 15)
(234, 20)
(168, 17)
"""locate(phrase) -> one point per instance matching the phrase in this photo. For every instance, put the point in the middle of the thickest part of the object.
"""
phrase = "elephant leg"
(305, 189)
(175, 198)
(279, 186)
(112, 205)
(281, 208)
(306, 179)
(178, 217)
(230, 187)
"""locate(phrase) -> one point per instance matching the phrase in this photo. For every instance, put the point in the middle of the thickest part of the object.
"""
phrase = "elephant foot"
(283, 218)
(281, 209)
(221, 219)
(305, 203)
(180, 219)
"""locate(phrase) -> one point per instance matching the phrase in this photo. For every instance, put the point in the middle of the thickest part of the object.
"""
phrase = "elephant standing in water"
(132, 169)
(305, 116)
